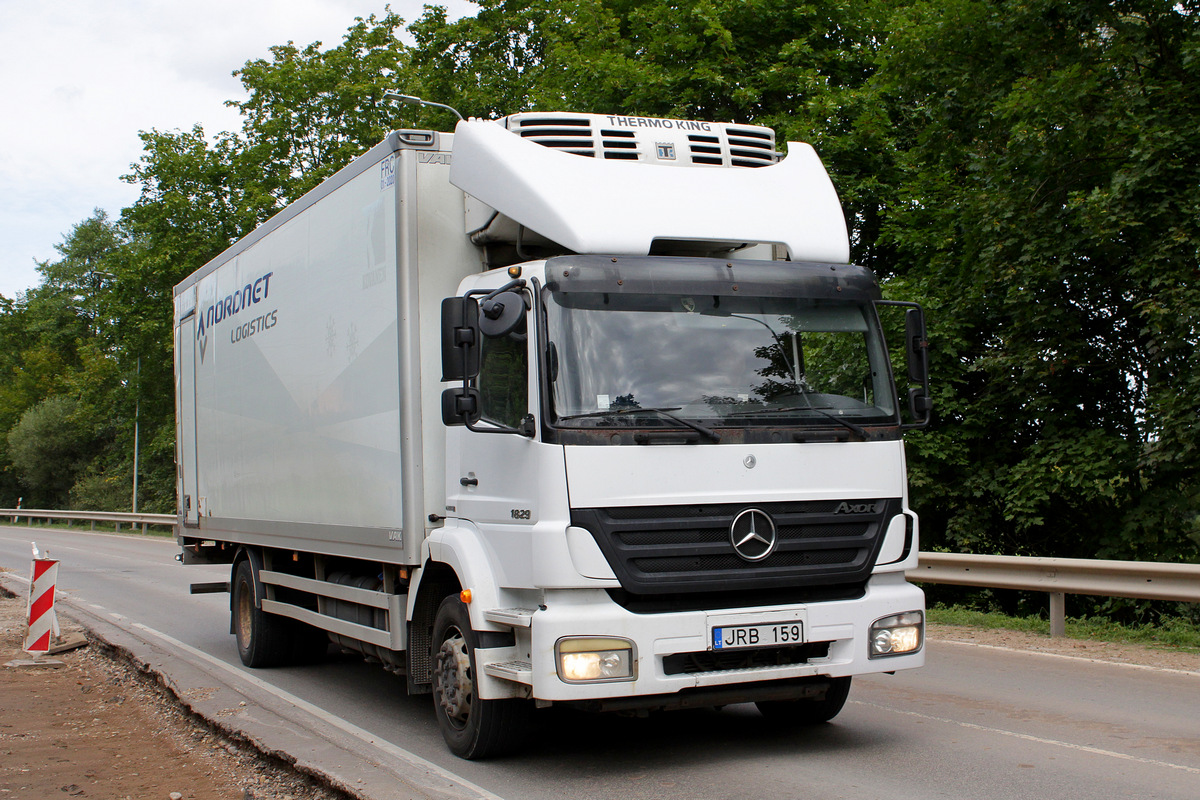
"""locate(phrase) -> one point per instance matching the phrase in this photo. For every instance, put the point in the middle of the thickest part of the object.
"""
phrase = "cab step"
(512, 617)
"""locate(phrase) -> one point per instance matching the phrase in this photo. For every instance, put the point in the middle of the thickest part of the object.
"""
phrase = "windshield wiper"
(854, 427)
(665, 412)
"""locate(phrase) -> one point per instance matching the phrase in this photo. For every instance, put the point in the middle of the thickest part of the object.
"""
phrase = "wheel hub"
(245, 608)
(452, 675)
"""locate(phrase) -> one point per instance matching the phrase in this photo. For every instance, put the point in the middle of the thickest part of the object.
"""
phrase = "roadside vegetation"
(1175, 632)
(1027, 169)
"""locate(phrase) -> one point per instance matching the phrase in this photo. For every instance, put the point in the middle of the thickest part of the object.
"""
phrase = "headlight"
(897, 634)
(594, 659)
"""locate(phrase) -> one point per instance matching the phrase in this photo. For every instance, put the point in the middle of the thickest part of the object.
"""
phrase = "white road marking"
(1031, 738)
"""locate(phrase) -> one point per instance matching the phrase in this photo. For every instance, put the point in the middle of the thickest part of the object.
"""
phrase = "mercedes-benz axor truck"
(560, 408)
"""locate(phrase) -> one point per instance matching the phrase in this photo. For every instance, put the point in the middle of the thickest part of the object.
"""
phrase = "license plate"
(732, 637)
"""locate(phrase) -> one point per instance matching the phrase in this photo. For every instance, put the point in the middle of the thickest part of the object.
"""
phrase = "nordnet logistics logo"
(233, 304)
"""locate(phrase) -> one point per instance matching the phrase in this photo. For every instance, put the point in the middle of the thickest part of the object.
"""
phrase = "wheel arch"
(255, 557)
(455, 560)
(458, 558)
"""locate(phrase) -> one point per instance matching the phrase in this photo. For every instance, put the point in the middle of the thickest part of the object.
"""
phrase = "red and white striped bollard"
(43, 622)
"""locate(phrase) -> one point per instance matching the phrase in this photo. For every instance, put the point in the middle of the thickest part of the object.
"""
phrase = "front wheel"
(472, 727)
(808, 711)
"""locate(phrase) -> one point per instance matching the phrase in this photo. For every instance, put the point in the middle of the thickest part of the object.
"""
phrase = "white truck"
(558, 409)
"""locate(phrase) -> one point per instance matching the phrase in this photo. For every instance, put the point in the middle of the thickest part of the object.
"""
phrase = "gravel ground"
(96, 727)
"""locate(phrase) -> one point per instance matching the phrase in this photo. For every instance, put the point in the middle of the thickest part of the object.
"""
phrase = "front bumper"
(839, 629)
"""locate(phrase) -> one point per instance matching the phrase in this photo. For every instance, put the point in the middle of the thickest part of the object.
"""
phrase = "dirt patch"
(95, 727)
(1115, 652)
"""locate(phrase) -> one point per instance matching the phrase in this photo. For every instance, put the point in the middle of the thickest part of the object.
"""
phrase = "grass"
(1174, 633)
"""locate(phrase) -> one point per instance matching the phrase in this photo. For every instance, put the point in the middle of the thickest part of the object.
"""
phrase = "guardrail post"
(1058, 614)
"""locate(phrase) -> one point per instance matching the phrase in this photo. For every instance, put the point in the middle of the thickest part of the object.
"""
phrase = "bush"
(48, 447)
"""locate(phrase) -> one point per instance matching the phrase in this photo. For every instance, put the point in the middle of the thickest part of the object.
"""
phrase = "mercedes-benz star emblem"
(752, 534)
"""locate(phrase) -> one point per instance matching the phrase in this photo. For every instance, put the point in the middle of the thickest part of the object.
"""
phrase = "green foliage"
(48, 447)
(102, 489)
(1046, 153)
(310, 111)
(1026, 169)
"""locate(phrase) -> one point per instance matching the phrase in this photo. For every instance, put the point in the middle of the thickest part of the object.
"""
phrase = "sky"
(80, 78)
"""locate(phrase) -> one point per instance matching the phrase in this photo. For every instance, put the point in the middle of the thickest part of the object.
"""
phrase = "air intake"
(671, 142)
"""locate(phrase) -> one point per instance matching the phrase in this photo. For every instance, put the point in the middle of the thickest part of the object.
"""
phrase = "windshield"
(719, 361)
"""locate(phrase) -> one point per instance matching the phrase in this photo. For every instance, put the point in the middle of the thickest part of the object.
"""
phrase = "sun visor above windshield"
(590, 205)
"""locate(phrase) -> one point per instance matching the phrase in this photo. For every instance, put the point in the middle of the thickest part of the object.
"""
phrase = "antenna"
(407, 98)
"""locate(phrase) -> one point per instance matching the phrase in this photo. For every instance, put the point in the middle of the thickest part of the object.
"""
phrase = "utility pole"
(137, 408)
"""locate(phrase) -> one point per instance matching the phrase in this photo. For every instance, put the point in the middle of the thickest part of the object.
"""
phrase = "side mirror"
(460, 406)
(460, 338)
(919, 403)
(502, 314)
(916, 346)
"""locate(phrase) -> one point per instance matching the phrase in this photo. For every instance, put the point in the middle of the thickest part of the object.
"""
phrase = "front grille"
(723, 660)
(658, 550)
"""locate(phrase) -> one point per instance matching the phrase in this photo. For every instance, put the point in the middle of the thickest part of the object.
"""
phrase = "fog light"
(594, 659)
(897, 634)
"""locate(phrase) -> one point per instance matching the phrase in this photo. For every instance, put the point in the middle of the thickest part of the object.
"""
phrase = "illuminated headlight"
(897, 634)
(594, 659)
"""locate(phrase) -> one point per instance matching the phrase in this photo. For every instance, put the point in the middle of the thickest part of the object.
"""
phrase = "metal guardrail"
(118, 518)
(1059, 577)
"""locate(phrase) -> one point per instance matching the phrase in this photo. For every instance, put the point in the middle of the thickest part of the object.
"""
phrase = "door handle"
(471, 481)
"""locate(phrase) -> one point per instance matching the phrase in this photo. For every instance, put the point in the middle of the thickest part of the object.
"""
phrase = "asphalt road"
(978, 723)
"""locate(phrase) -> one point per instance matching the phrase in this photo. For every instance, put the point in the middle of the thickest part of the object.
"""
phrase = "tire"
(808, 711)
(263, 640)
(473, 728)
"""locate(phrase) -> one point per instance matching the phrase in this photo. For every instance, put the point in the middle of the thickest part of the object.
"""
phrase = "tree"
(310, 111)
(1050, 154)
(48, 448)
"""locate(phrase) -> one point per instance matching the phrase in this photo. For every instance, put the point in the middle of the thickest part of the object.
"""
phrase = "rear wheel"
(472, 727)
(268, 640)
(808, 711)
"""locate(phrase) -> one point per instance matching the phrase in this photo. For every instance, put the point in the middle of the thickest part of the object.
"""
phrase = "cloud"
(83, 78)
